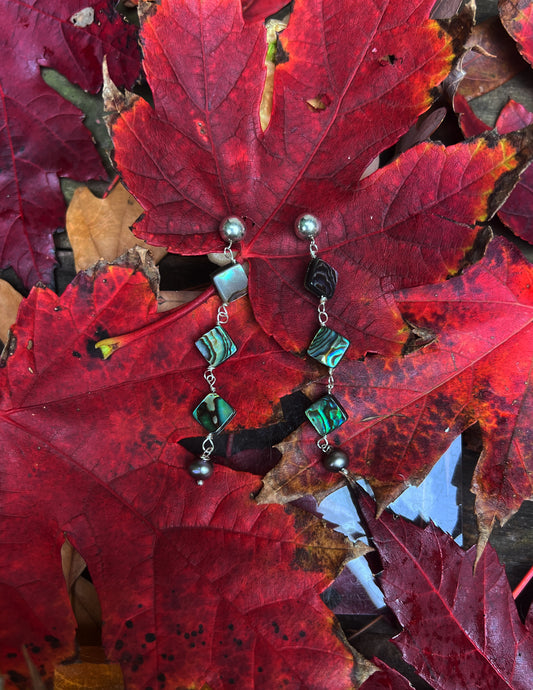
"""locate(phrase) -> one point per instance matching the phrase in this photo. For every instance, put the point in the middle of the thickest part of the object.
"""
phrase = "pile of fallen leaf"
(328, 109)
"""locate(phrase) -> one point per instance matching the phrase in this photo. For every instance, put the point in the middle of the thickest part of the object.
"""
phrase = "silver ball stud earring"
(307, 226)
(232, 229)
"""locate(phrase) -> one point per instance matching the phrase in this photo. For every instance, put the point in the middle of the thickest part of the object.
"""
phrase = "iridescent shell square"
(231, 282)
(328, 347)
(326, 415)
(321, 278)
(216, 346)
(213, 413)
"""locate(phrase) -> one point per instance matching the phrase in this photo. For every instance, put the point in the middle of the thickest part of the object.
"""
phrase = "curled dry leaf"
(100, 228)
(492, 61)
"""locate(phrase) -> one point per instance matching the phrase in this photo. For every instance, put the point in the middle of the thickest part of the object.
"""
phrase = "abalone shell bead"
(200, 470)
(216, 346)
(326, 415)
(213, 413)
(231, 282)
(335, 461)
(321, 278)
(328, 347)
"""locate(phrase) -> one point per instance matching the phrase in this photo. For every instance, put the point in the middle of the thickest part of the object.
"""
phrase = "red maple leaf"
(461, 625)
(517, 18)
(256, 10)
(403, 413)
(385, 678)
(42, 136)
(159, 348)
(517, 211)
(199, 154)
(197, 585)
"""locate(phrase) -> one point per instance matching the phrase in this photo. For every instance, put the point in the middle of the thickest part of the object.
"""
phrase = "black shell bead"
(321, 278)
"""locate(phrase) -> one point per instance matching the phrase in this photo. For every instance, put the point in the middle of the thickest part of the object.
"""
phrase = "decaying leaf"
(517, 211)
(517, 18)
(491, 62)
(100, 228)
(10, 300)
(403, 413)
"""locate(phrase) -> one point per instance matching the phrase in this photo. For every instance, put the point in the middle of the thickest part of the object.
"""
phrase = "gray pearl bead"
(200, 470)
(335, 461)
(307, 226)
(232, 229)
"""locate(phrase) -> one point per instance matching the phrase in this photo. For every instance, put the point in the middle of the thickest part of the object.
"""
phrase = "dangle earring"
(216, 346)
(327, 346)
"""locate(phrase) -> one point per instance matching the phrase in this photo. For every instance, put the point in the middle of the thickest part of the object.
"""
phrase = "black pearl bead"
(307, 227)
(200, 470)
(232, 229)
(335, 461)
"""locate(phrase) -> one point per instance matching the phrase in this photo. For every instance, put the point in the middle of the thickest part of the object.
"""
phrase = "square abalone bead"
(326, 415)
(213, 413)
(216, 346)
(328, 347)
(231, 282)
(321, 278)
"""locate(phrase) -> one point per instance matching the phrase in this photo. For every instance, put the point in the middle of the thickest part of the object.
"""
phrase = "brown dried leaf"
(172, 299)
(86, 676)
(73, 564)
(492, 61)
(87, 610)
(9, 305)
(100, 228)
(114, 100)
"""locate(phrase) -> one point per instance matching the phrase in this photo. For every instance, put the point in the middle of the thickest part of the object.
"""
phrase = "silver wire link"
(208, 447)
(222, 314)
(313, 248)
(331, 381)
(323, 444)
(228, 253)
(322, 313)
(210, 377)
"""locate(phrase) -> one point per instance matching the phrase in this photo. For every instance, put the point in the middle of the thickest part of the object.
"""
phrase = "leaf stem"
(523, 583)
(365, 627)
(109, 345)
